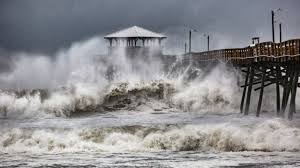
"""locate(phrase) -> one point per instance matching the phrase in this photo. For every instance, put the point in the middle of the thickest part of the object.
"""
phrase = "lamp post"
(190, 38)
(273, 31)
(208, 38)
(278, 71)
(208, 43)
(190, 41)
(280, 34)
(274, 14)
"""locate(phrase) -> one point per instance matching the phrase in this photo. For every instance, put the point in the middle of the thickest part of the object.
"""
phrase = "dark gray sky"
(48, 25)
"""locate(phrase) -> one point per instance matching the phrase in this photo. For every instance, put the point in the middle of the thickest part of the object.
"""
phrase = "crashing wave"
(204, 94)
(270, 135)
(136, 83)
(77, 99)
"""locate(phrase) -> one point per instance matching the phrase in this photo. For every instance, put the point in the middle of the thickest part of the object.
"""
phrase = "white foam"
(268, 135)
(218, 91)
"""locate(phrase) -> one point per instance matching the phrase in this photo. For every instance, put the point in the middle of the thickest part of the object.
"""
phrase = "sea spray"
(213, 92)
(76, 80)
(76, 64)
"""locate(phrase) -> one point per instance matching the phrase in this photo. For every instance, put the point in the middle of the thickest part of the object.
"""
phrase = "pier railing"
(266, 51)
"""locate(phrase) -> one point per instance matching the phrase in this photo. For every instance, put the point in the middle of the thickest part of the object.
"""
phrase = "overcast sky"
(48, 25)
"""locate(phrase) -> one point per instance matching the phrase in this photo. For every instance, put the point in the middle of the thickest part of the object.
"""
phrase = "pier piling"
(248, 100)
(261, 91)
(244, 90)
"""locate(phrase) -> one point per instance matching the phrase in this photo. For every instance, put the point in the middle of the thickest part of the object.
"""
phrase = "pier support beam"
(286, 92)
(244, 90)
(292, 110)
(278, 76)
(249, 90)
(261, 91)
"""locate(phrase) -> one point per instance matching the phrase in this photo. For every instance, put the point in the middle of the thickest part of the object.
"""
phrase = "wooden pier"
(264, 64)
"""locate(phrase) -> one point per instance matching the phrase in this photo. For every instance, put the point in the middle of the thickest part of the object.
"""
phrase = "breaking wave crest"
(200, 95)
(81, 98)
(270, 135)
(80, 81)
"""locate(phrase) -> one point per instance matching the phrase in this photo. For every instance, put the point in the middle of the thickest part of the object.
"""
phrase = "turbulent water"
(85, 109)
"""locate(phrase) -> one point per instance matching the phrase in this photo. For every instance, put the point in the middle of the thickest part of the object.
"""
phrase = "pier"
(264, 64)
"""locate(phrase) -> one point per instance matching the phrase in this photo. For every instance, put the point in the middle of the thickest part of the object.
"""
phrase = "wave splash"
(77, 81)
(199, 95)
(82, 99)
(270, 135)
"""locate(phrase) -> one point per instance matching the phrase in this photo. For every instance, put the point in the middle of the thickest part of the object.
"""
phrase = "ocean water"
(71, 114)
(165, 139)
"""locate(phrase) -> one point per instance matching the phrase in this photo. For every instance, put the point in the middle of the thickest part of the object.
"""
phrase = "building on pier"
(136, 41)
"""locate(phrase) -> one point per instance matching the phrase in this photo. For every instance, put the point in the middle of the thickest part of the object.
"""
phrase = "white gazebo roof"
(135, 32)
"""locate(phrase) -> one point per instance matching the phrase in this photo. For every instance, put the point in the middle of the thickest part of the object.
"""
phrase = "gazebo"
(134, 37)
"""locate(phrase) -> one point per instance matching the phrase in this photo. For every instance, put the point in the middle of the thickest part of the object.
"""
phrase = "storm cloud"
(49, 25)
